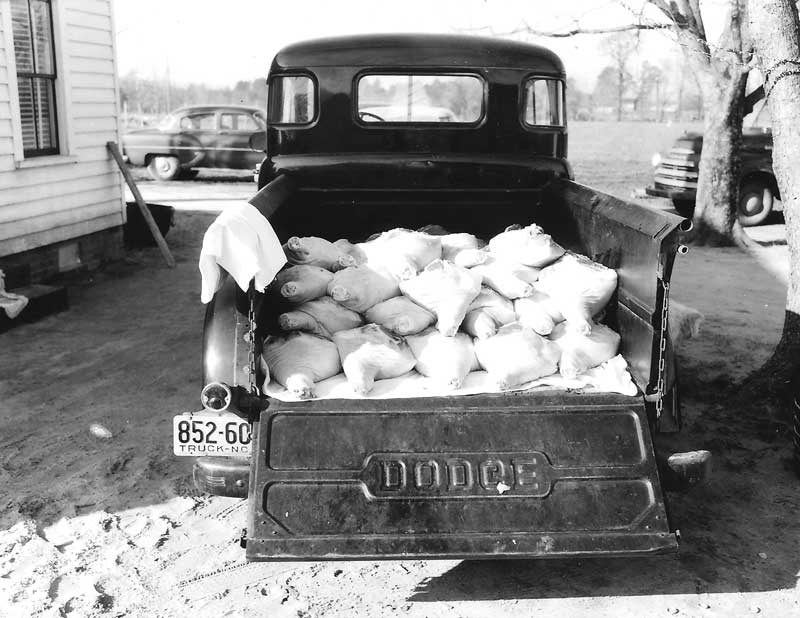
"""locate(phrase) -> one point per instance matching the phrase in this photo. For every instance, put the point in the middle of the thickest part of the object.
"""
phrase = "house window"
(32, 25)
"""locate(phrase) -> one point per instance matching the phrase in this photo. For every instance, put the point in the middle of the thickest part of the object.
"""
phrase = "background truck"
(677, 171)
(392, 478)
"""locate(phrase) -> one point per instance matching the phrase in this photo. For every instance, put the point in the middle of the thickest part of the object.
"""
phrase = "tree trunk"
(721, 74)
(775, 28)
(715, 218)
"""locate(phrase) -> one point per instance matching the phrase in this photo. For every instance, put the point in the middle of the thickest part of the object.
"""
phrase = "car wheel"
(685, 208)
(755, 203)
(163, 168)
(188, 174)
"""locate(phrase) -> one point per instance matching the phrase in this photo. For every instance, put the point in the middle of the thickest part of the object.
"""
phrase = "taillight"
(216, 396)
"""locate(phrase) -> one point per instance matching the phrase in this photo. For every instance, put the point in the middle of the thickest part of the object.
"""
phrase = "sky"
(218, 43)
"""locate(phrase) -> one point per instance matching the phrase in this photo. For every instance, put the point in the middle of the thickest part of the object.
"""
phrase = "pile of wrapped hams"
(445, 305)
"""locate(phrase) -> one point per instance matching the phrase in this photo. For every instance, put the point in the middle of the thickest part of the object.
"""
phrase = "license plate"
(214, 434)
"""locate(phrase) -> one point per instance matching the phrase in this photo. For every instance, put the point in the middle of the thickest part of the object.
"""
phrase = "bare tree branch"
(669, 11)
(698, 17)
(687, 23)
(527, 29)
(736, 27)
(693, 19)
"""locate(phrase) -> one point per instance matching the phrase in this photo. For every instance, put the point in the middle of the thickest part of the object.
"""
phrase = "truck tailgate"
(532, 474)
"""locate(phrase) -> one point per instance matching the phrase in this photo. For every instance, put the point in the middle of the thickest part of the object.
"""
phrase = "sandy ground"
(109, 524)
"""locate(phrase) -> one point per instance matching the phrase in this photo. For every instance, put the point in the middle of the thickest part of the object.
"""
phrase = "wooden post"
(148, 216)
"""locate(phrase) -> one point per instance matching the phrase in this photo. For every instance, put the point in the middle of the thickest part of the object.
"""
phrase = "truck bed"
(529, 474)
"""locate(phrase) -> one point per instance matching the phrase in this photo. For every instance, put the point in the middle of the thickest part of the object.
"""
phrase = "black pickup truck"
(369, 133)
(677, 171)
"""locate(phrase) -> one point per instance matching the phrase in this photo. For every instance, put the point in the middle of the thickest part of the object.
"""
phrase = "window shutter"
(32, 28)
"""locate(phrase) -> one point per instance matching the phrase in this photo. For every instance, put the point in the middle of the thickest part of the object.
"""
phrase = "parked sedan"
(194, 137)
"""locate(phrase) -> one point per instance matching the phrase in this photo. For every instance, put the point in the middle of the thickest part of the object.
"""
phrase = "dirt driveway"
(96, 523)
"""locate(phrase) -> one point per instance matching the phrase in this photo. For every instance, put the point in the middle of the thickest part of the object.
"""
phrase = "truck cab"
(369, 133)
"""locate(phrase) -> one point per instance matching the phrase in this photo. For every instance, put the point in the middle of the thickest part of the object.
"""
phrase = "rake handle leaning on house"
(113, 148)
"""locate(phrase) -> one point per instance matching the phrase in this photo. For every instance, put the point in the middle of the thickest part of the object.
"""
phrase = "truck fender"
(226, 340)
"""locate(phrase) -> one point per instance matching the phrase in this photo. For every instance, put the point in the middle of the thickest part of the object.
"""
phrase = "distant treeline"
(646, 92)
(144, 101)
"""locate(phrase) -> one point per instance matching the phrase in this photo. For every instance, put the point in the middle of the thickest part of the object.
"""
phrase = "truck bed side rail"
(640, 243)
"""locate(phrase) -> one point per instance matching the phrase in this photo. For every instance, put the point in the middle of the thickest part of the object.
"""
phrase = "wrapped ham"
(361, 287)
(487, 313)
(401, 252)
(510, 279)
(322, 316)
(463, 250)
(401, 316)
(372, 353)
(516, 355)
(313, 251)
(302, 283)
(447, 360)
(581, 352)
(579, 287)
(345, 246)
(529, 246)
(446, 290)
(298, 361)
(538, 311)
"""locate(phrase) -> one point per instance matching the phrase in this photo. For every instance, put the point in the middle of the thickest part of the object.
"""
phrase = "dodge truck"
(369, 133)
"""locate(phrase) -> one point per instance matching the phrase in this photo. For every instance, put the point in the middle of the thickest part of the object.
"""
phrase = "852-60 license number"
(210, 434)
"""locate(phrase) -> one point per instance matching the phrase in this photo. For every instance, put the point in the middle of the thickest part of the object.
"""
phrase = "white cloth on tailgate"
(241, 241)
(12, 304)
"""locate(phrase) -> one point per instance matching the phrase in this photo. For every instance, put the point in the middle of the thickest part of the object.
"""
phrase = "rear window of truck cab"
(420, 98)
(292, 99)
(542, 102)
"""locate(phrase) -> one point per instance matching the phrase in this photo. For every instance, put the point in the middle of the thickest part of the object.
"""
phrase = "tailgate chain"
(251, 338)
(662, 351)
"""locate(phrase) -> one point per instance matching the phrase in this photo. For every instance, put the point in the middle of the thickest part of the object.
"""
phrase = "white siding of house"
(80, 191)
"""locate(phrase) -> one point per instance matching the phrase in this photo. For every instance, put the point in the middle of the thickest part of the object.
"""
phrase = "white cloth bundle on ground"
(12, 304)
(299, 360)
(372, 353)
(447, 360)
(684, 322)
